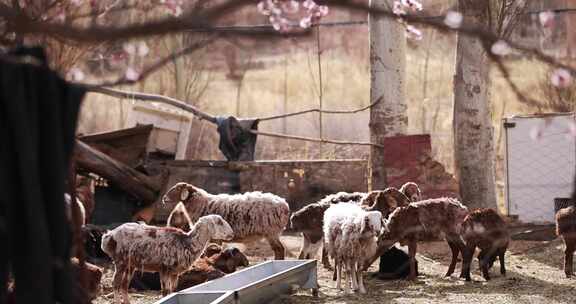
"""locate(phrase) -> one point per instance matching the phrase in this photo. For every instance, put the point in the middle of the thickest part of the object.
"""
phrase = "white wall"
(540, 160)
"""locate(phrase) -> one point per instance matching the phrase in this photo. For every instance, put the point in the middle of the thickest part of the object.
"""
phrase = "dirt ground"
(534, 275)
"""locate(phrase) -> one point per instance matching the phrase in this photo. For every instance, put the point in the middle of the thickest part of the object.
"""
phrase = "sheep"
(566, 228)
(214, 263)
(350, 235)
(485, 229)
(309, 219)
(408, 224)
(92, 236)
(213, 267)
(179, 218)
(90, 275)
(166, 250)
(412, 191)
(252, 215)
(394, 264)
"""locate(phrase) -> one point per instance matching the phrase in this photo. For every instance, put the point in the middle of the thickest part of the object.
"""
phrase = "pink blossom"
(60, 15)
(306, 22)
(142, 49)
(413, 33)
(129, 48)
(547, 18)
(453, 19)
(500, 48)
(412, 4)
(398, 8)
(132, 74)
(77, 2)
(561, 78)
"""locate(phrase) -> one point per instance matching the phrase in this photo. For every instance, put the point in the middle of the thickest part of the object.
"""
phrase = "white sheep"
(166, 250)
(350, 236)
(252, 215)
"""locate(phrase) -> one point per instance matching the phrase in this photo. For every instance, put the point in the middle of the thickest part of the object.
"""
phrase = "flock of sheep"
(354, 229)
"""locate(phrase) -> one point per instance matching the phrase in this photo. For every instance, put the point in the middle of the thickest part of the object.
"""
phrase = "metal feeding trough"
(259, 284)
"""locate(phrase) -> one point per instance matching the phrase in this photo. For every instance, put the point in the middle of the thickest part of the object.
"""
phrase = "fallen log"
(141, 186)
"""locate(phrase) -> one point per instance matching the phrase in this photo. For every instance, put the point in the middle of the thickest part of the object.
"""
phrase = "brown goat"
(213, 267)
(566, 228)
(412, 191)
(408, 225)
(485, 229)
(90, 276)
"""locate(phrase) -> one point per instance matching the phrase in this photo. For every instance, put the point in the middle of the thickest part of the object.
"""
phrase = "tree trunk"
(473, 131)
(137, 184)
(387, 71)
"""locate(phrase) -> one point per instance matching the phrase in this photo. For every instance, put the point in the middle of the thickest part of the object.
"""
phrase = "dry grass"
(534, 276)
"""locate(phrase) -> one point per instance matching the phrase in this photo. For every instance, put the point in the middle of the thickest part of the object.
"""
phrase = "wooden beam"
(137, 184)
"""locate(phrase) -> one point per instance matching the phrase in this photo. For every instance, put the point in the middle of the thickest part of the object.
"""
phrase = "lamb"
(309, 219)
(566, 228)
(434, 216)
(166, 250)
(213, 267)
(485, 229)
(350, 236)
(412, 191)
(179, 218)
(252, 215)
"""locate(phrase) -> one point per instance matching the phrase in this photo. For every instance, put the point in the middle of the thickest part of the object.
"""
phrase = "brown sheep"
(566, 228)
(213, 267)
(90, 275)
(408, 224)
(485, 229)
(412, 191)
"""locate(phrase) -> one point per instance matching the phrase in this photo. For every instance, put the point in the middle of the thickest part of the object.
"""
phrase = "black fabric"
(236, 140)
(38, 114)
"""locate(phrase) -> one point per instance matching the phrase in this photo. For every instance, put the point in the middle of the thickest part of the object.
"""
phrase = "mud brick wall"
(300, 182)
(409, 159)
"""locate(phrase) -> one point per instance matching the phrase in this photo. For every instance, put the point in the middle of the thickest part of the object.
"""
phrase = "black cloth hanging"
(236, 140)
(38, 115)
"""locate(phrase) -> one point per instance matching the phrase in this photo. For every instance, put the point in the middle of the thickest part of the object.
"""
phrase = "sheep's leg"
(325, 259)
(304, 249)
(348, 283)
(338, 266)
(412, 253)
(467, 255)
(119, 273)
(165, 283)
(277, 247)
(360, 278)
(455, 247)
(568, 256)
(127, 278)
(352, 272)
(501, 254)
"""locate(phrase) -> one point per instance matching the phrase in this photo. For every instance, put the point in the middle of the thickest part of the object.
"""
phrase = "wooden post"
(387, 75)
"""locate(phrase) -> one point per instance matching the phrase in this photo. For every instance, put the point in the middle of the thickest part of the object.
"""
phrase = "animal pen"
(540, 160)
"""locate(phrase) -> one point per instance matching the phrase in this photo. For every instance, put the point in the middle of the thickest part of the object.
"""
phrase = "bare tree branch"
(321, 111)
